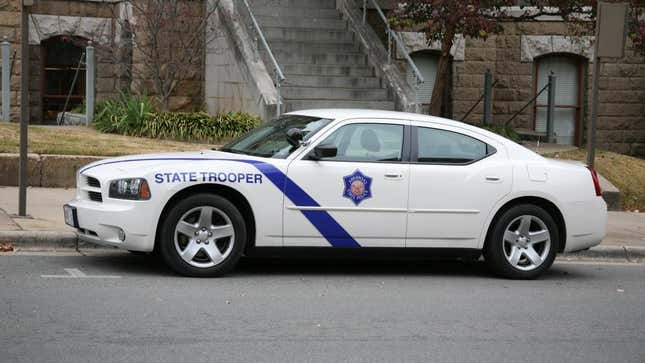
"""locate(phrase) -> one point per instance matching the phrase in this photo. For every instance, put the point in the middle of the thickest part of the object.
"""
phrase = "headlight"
(132, 188)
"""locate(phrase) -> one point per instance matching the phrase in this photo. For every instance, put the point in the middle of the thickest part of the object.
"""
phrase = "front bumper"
(118, 225)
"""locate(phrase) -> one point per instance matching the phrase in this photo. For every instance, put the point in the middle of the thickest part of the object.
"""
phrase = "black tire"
(496, 250)
(167, 246)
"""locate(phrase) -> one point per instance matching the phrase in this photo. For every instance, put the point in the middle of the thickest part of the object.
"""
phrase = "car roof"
(348, 113)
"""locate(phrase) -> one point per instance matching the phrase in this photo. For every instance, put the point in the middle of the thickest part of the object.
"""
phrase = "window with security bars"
(566, 118)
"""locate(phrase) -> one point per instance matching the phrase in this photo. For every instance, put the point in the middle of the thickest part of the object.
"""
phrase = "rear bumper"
(117, 225)
(586, 224)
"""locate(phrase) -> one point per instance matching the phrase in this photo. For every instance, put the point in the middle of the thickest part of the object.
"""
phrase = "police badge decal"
(357, 187)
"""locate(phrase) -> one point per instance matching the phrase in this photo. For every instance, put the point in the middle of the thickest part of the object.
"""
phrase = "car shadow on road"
(127, 264)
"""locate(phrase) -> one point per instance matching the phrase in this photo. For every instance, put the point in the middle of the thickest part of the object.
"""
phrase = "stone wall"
(510, 57)
(91, 20)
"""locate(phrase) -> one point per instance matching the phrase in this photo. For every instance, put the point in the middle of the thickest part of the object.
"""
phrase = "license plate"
(70, 216)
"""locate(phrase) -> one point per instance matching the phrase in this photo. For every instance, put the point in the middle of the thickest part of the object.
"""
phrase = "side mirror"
(323, 151)
(294, 136)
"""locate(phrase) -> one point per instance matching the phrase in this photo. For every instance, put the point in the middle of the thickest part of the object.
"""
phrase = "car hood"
(138, 165)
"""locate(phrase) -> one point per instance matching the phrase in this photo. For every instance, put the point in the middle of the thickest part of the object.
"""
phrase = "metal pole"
(277, 88)
(550, 109)
(591, 138)
(488, 97)
(389, 45)
(24, 112)
(6, 79)
(364, 11)
(89, 83)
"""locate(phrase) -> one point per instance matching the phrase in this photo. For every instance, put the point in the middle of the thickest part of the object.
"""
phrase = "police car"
(344, 180)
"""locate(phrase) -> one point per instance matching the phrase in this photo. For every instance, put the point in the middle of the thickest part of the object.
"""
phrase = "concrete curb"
(50, 240)
(44, 240)
(629, 253)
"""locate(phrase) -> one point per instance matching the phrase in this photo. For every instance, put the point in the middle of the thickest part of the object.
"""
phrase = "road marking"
(74, 273)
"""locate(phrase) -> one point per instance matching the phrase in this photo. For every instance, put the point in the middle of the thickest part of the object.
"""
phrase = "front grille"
(95, 196)
(93, 182)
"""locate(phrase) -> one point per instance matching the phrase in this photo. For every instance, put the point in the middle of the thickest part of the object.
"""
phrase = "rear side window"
(447, 147)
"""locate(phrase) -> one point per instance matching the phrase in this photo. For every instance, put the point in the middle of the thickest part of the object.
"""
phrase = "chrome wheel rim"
(204, 236)
(527, 242)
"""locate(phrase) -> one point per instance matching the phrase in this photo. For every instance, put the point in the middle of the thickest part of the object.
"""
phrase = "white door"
(455, 180)
(566, 71)
(427, 65)
(357, 198)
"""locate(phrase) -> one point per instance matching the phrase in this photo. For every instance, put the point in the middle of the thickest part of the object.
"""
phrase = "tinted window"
(367, 142)
(270, 139)
(441, 146)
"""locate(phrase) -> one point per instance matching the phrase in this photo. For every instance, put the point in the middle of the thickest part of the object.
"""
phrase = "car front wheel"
(203, 235)
(523, 242)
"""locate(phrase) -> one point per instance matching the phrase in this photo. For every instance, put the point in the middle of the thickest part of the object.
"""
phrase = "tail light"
(596, 182)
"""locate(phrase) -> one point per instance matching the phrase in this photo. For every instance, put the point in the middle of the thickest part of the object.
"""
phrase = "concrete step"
(301, 22)
(313, 48)
(308, 35)
(319, 93)
(326, 59)
(296, 105)
(334, 81)
(326, 70)
(296, 12)
(310, 4)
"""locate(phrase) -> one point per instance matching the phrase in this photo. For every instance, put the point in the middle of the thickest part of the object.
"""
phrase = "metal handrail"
(399, 43)
(279, 76)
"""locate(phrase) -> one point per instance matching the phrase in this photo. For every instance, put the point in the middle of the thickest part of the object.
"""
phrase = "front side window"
(447, 147)
(270, 139)
(367, 142)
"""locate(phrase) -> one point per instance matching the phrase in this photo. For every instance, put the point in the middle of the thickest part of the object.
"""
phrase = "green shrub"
(197, 126)
(124, 115)
(135, 116)
(506, 131)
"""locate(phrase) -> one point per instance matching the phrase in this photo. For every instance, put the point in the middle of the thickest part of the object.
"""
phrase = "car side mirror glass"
(295, 136)
(324, 151)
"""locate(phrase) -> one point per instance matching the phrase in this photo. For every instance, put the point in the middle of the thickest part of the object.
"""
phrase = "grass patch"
(80, 140)
(627, 173)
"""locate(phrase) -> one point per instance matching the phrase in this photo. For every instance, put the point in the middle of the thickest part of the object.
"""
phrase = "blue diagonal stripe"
(328, 227)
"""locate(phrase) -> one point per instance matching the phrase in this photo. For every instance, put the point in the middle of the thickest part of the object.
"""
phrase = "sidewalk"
(45, 227)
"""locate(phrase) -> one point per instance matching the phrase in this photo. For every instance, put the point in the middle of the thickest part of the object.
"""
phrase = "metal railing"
(279, 76)
(392, 35)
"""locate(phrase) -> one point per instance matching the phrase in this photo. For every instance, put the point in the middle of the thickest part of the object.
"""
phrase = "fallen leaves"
(6, 247)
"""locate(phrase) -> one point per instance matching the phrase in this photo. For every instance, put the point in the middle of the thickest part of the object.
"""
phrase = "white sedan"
(351, 181)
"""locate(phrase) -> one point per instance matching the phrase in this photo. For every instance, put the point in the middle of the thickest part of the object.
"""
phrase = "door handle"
(393, 176)
(493, 179)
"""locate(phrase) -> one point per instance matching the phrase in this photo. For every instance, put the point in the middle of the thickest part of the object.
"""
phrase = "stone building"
(59, 32)
(331, 58)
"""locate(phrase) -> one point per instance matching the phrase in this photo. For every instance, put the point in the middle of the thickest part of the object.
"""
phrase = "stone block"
(59, 171)
(9, 169)
(637, 149)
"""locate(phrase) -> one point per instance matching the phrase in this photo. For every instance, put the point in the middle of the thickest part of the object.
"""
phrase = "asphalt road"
(119, 307)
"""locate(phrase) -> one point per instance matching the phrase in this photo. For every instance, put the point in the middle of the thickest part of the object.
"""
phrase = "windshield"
(270, 139)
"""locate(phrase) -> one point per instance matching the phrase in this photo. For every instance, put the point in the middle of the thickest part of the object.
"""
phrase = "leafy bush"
(135, 116)
(198, 126)
(506, 131)
(124, 115)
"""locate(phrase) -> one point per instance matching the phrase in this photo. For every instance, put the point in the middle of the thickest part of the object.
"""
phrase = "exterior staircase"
(324, 65)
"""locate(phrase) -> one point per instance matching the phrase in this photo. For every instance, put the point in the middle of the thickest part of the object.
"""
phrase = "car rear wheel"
(203, 235)
(523, 242)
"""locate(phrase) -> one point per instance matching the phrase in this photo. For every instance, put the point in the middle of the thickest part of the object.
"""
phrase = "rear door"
(456, 177)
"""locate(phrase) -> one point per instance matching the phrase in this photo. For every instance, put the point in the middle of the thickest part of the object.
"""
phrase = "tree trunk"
(441, 80)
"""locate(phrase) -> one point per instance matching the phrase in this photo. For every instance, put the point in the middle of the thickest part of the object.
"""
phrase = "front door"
(455, 181)
(357, 198)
